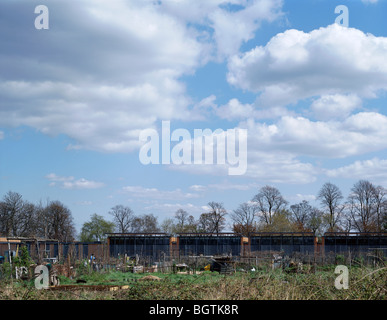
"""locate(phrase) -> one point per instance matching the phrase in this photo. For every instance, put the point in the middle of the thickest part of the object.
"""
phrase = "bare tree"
(244, 218)
(364, 204)
(301, 213)
(11, 209)
(192, 224)
(205, 223)
(59, 221)
(3, 219)
(20, 218)
(123, 217)
(28, 222)
(214, 220)
(314, 222)
(381, 207)
(281, 222)
(146, 223)
(330, 198)
(306, 217)
(168, 226)
(270, 202)
(185, 223)
(182, 218)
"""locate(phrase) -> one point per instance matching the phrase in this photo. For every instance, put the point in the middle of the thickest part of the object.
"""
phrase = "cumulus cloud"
(106, 70)
(234, 28)
(358, 134)
(280, 167)
(295, 65)
(335, 106)
(374, 169)
(227, 24)
(274, 149)
(100, 74)
(272, 165)
(235, 110)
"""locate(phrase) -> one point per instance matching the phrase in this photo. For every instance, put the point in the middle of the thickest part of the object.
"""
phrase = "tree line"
(364, 210)
(21, 218)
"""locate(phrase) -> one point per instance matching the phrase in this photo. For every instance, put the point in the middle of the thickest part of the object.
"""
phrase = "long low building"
(157, 245)
(355, 242)
(41, 249)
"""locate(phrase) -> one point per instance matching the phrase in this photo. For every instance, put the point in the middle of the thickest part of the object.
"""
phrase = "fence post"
(10, 256)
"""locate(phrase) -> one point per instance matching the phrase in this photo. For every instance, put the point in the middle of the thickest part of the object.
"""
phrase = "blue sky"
(74, 98)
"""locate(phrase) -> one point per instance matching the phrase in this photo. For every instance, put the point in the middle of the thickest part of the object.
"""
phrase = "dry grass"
(364, 284)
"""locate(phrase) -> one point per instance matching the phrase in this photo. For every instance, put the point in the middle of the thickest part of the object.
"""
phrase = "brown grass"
(364, 284)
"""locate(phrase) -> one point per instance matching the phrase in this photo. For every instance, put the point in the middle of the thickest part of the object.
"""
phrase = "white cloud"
(232, 186)
(204, 108)
(84, 203)
(374, 169)
(234, 28)
(280, 167)
(82, 184)
(335, 106)
(198, 188)
(71, 183)
(229, 24)
(266, 165)
(296, 65)
(224, 186)
(106, 70)
(156, 194)
(82, 112)
(99, 77)
(235, 110)
(169, 209)
(274, 149)
(298, 136)
(55, 178)
(307, 197)
(1, 135)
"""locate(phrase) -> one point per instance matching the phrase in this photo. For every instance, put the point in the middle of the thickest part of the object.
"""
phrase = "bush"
(23, 259)
(339, 259)
(5, 271)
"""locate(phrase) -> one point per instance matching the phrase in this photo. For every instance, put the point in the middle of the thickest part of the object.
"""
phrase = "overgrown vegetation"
(23, 259)
(364, 284)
